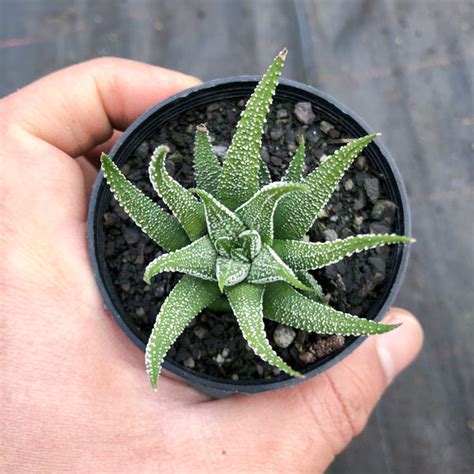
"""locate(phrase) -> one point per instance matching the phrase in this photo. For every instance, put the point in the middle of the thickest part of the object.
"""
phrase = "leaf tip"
(282, 54)
(201, 128)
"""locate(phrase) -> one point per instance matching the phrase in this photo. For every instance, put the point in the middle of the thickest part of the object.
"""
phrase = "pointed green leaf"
(251, 243)
(301, 255)
(246, 303)
(207, 168)
(230, 272)
(187, 209)
(264, 176)
(240, 175)
(295, 170)
(257, 212)
(307, 279)
(197, 259)
(296, 213)
(161, 227)
(225, 245)
(221, 222)
(189, 297)
(285, 305)
(239, 254)
(268, 267)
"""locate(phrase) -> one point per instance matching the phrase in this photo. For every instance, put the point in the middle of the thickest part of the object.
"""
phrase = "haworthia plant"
(240, 240)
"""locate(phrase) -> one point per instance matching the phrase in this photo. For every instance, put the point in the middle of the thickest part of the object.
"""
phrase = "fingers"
(79, 107)
(317, 419)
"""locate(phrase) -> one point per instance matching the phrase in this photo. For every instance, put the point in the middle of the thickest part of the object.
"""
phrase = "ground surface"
(407, 68)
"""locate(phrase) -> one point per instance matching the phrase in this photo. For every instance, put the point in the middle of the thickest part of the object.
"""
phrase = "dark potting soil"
(212, 343)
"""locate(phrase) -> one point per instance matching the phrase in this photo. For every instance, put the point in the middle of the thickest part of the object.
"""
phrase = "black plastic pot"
(236, 88)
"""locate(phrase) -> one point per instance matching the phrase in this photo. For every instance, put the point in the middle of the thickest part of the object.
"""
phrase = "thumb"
(349, 391)
(321, 416)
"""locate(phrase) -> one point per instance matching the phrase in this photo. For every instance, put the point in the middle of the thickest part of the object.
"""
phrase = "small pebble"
(220, 151)
(110, 219)
(131, 235)
(384, 210)
(378, 263)
(276, 133)
(326, 346)
(200, 332)
(125, 286)
(325, 127)
(361, 162)
(142, 151)
(189, 363)
(264, 155)
(349, 185)
(330, 235)
(304, 113)
(307, 357)
(372, 188)
(283, 336)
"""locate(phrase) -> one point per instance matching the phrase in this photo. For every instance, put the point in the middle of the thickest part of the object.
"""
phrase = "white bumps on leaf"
(240, 175)
(297, 212)
(187, 209)
(301, 255)
(285, 305)
(259, 276)
(161, 227)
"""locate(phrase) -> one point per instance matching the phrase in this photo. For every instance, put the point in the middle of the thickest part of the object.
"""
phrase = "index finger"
(78, 108)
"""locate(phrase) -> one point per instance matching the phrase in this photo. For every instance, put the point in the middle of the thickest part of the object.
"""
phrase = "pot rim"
(211, 385)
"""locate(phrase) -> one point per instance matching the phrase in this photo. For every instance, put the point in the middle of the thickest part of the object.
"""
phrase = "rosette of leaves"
(241, 240)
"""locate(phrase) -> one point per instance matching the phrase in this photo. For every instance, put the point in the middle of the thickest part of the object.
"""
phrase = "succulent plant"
(240, 239)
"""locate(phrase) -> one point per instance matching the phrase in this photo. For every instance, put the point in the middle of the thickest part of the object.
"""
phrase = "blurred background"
(406, 67)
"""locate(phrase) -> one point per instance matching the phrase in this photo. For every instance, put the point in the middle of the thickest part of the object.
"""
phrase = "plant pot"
(234, 89)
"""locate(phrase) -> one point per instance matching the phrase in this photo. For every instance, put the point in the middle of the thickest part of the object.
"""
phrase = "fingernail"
(398, 348)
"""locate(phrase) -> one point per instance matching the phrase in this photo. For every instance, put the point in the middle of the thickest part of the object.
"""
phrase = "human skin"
(73, 389)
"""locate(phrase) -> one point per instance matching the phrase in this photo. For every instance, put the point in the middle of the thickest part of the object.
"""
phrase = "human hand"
(74, 392)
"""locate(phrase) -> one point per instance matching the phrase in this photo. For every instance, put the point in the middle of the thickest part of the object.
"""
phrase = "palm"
(73, 389)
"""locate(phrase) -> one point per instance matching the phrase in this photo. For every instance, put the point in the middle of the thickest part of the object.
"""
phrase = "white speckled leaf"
(307, 279)
(264, 176)
(230, 271)
(300, 255)
(257, 212)
(268, 267)
(251, 243)
(295, 170)
(197, 259)
(161, 227)
(189, 297)
(246, 303)
(207, 168)
(240, 175)
(225, 245)
(221, 222)
(297, 212)
(285, 305)
(187, 209)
